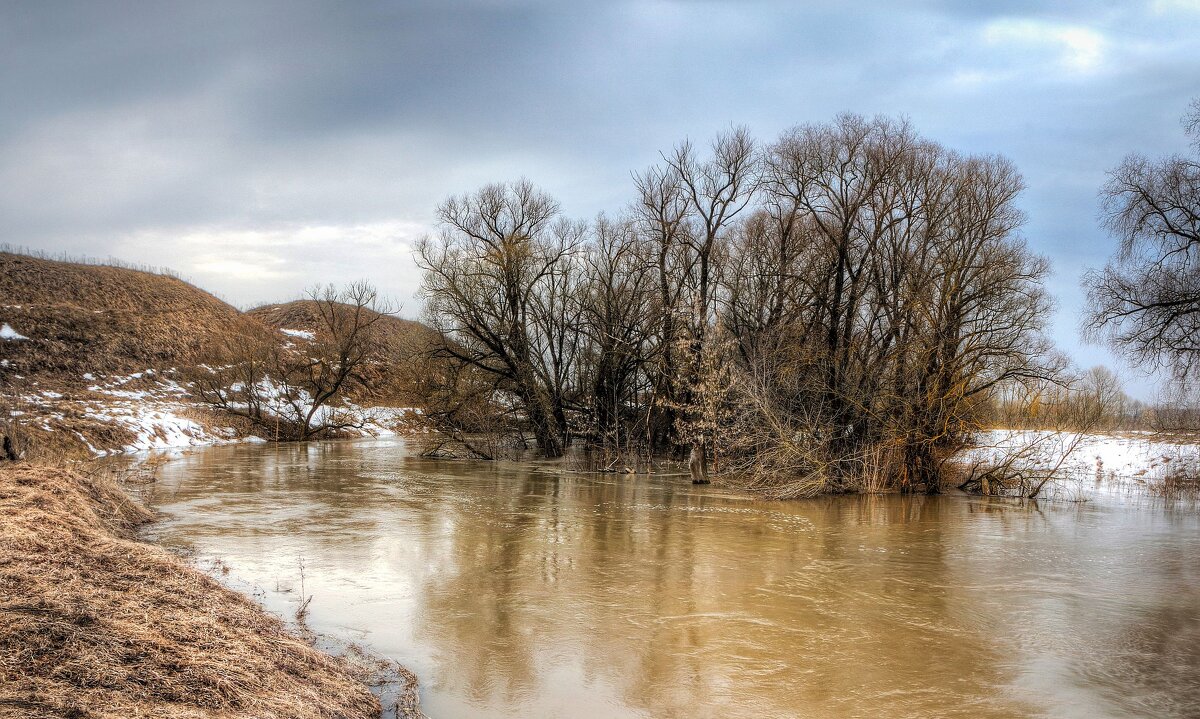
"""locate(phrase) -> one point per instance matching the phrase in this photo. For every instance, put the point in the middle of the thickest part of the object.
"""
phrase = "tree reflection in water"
(515, 590)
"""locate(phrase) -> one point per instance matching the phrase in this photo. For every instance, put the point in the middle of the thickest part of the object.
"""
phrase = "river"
(518, 590)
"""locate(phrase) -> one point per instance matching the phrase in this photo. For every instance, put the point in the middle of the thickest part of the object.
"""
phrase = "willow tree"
(980, 306)
(660, 214)
(290, 387)
(617, 299)
(497, 283)
(714, 190)
(878, 297)
(830, 311)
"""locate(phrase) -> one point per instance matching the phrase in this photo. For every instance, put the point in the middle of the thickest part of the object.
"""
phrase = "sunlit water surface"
(516, 591)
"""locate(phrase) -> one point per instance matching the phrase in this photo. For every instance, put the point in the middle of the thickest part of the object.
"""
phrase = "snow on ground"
(156, 414)
(387, 421)
(156, 410)
(281, 400)
(159, 425)
(302, 334)
(8, 333)
(1126, 454)
(1092, 463)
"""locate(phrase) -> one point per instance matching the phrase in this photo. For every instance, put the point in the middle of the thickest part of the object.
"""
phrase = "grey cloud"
(125, 125)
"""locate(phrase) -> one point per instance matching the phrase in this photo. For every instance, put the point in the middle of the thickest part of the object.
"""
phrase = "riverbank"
(94, 623)
(145, 411)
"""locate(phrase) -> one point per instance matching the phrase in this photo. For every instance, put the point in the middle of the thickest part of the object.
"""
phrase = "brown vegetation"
(96, 624)
(499, 279)
(85, 324)
(293, 383)
(82, 318)
(1177, 481)
(100, 335)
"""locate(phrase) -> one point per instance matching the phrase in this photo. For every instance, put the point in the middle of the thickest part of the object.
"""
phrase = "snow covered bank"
(149, 410)
(1091, 463)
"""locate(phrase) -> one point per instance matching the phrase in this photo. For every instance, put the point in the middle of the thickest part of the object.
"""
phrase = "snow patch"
(1106, 461)
(8, 333)
(158, 413)
(157, 425)
(302, 334)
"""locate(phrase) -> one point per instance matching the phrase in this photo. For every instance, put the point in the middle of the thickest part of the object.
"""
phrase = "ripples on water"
(518, 592)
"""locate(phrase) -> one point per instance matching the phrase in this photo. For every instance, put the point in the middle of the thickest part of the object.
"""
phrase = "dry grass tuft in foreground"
(94, 623)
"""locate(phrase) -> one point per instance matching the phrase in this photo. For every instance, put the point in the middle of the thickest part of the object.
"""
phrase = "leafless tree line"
(824, 312)
(1093, 400)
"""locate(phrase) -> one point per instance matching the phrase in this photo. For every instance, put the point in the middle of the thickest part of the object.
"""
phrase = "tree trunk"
(10, 452)
(548, 439)
(698, 465)
(544, 422)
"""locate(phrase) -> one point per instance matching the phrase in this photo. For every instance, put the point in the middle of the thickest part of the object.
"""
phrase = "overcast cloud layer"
(260, 147)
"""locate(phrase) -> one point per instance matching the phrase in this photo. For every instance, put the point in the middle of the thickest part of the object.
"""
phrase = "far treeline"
(836, 310)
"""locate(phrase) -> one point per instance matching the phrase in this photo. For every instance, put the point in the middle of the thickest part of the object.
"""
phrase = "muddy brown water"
(515, 591)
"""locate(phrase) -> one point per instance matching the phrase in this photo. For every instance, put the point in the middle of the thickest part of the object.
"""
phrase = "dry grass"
(1176, 482)
(85, 324)
(96, 324)
(101, 319)
(96, 624)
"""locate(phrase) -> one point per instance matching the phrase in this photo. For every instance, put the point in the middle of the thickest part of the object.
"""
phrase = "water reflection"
(514, 591)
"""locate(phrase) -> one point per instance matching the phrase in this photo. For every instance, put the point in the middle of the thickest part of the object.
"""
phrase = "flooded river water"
(517, 591)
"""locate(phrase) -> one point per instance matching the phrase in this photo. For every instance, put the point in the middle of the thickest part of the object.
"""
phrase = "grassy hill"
(399, 334)
(97, 357)
(80, 319)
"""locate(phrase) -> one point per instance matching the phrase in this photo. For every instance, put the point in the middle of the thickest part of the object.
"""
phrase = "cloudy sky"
(260, 147)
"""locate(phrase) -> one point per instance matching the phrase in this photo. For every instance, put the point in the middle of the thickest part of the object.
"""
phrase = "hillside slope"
(79, 319)
(97, 358)
(94, 623)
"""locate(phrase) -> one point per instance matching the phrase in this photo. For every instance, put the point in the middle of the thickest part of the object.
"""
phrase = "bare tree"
(232, 377)
(1063, 411)
(1102, 398)
(287, 385)
(715, 191)
(833, 313)
(618, 300)
(466, 413)
(1178, 408)
(886, 294)
(661, 215)
(1146, 301)
(497, 282)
